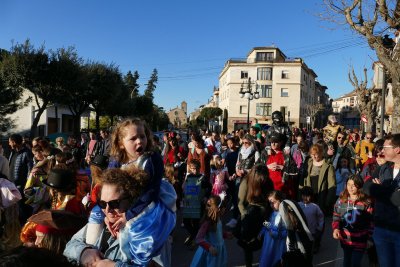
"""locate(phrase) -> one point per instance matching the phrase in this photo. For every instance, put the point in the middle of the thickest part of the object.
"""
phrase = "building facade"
(55, 119)
(283, 84)
(178, 116)
(345, 107)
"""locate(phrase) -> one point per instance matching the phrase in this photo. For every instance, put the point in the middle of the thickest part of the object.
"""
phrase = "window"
(284, 92)
(243, 110)
(265, 90)
(264, 109)
(285, 74)
(264, 74)
(244, 75)
(265, 56)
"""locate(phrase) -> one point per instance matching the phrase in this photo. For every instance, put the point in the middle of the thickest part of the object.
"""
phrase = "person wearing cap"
(275, 161)
(255, 131)
(61, 183)
(53, 228)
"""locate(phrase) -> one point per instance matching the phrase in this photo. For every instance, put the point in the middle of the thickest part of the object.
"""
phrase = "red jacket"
(276, 176)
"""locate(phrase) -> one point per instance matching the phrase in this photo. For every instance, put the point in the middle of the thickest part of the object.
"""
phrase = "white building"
(55, 119)
(284, 84)
(346, 108)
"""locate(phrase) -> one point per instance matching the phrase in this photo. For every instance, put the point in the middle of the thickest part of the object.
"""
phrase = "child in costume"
(274, 233)
(219, 176)
(210, 238)
(196, 188)
(131, 145)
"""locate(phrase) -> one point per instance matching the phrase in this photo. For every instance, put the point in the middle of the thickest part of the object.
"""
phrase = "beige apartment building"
(283, 84)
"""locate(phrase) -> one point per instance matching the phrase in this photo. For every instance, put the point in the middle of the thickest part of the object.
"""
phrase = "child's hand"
(213, 251)
(336, 234)
(115, 227)
(267, 224)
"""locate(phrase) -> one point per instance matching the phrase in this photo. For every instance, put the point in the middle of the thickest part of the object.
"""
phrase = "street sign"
(308, 119)
(364, 118)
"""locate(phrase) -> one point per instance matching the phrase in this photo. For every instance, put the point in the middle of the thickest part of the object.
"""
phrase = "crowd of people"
(115, 200)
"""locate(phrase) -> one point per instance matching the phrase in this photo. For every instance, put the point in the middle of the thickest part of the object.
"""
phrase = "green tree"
(69, 77)
(105, 81)
(151, 85)
(159, 120)
(210, 113)
(9, 100)
(131, 83)
(28, 68)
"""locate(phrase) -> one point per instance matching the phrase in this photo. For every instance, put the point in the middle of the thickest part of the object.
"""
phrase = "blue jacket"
(22, 168)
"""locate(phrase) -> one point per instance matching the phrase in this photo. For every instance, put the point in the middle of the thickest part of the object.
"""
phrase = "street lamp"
(247, 92)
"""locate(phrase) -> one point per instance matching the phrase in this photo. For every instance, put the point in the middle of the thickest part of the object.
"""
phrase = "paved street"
(330, 254)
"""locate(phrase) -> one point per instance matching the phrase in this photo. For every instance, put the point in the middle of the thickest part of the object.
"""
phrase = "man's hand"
(90, 256)
(376, 181)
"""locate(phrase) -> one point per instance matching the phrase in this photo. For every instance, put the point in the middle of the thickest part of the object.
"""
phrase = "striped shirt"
(354, 220)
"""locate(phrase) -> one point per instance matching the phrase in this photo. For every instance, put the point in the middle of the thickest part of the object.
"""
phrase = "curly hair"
(119, 133)
(130, 182)
(96, 173)
(169, 172)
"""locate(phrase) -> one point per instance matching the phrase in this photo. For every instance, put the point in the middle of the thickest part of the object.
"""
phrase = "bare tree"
(372, 19)
(367, 99)
(313, 110)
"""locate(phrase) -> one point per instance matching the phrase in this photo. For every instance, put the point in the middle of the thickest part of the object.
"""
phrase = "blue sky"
(187, 41)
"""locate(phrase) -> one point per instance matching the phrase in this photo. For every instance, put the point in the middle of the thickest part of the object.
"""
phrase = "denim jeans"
(351, 257)
(387, 247)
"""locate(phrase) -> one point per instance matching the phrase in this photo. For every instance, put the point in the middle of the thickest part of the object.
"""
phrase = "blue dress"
(203, 258)
(274, 241)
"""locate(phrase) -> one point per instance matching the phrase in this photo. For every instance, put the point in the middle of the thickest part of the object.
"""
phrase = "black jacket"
(387, 214)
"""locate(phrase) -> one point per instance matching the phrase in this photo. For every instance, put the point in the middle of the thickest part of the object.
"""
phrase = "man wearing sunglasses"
(342, 149)
(384, 188)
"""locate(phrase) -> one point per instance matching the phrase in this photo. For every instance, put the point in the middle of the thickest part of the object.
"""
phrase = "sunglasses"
(368, 137)
(112, 204)
(339, 137)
